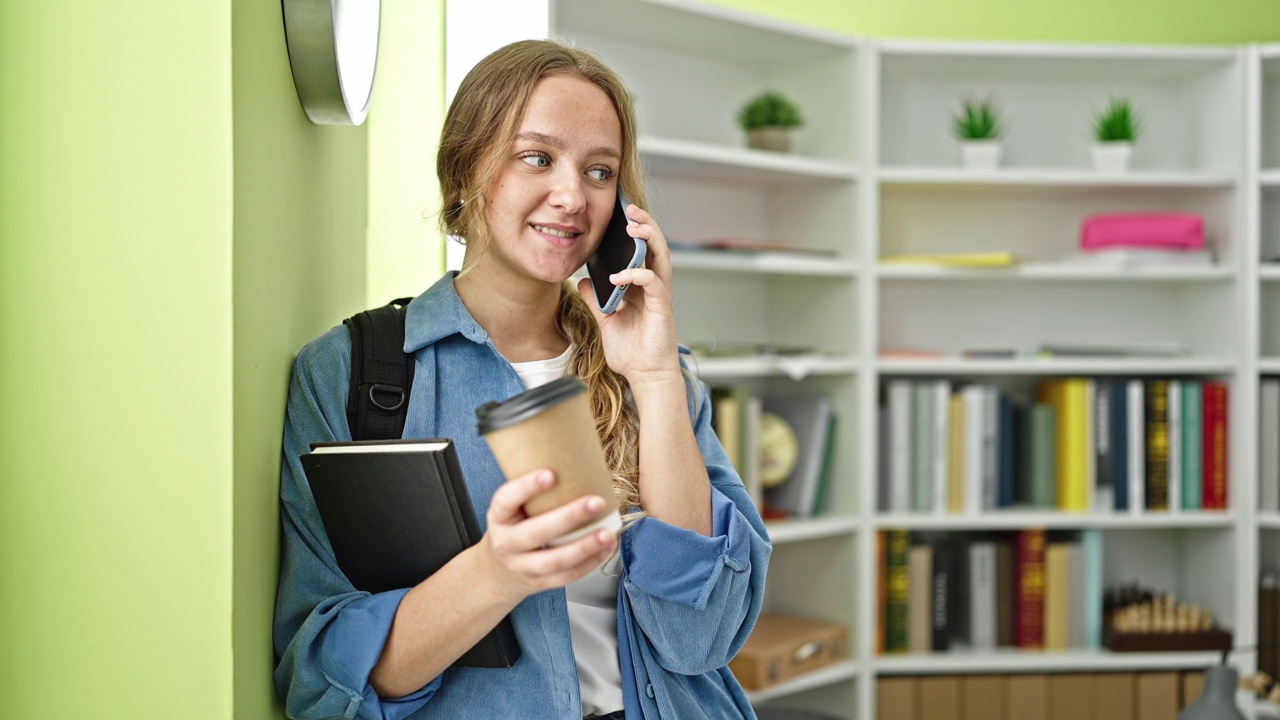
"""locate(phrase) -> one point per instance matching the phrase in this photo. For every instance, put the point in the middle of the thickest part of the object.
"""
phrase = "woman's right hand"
(515, 545)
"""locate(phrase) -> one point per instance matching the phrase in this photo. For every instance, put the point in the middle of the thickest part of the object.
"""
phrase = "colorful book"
(1044, 456)
(1029, 581)
(1192, 454)
(920, 598)
(1157, 444)
(1214, 440)
(897, 586)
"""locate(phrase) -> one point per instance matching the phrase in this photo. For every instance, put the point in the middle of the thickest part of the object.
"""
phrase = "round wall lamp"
(333, 51)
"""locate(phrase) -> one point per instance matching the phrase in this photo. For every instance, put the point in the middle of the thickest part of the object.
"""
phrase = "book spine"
(1104, 446)
(900, 439)
(1191, 450)
(922, 500)
(973, 402)
(943, 579)
(1120, 444)
(897, 584)
(884, 446)
(1157, 416)
(1030, 582)
(1056, 595)
(990, 447)
(920, 599)
(1093, 591)
(1075, 481)
(1044, 453)
(941, 446)
(1137, 447)
(1006, 446)
(982, 595)
(882, 589)
(955, 455)
(1214, 439)
(1175, 446)
(1006, 593)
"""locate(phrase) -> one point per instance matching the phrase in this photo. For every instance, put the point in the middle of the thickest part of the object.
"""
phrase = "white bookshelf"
(876, 173)
(1013, 520)
(1269, 521)
(968, 662)
(767, 263)
(782, 532)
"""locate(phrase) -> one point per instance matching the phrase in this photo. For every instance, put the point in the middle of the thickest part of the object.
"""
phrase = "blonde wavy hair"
(480, 127)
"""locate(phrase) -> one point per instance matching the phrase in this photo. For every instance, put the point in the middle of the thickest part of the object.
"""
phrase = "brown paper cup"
(551, 426)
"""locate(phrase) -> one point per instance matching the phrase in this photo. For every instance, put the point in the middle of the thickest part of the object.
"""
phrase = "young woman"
(639, 624)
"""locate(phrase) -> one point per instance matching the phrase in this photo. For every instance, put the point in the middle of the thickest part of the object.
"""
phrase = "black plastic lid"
(518, 408)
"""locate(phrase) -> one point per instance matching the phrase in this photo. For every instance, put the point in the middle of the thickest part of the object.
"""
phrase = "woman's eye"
(536, 160)
(600, 174)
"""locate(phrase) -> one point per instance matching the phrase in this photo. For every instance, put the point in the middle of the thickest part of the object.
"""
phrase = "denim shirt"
(686, 602)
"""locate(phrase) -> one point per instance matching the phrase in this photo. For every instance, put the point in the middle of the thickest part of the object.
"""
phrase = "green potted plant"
(978, 129)
(1115, 129)
(768, 119)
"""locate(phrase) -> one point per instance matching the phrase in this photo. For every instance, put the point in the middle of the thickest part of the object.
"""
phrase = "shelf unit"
(876, 173)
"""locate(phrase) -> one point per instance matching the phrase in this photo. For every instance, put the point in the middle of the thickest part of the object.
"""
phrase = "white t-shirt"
(593, 599)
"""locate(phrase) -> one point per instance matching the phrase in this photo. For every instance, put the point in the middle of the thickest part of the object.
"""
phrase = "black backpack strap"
(381, 373)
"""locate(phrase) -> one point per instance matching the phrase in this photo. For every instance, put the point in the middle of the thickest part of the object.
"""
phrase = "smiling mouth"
(555, 233)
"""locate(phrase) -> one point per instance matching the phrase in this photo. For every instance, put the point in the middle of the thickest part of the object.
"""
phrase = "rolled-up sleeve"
(328, 636)
(696, 598)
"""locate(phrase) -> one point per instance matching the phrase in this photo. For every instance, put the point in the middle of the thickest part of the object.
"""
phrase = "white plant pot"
(981, 154)
(1112, 157)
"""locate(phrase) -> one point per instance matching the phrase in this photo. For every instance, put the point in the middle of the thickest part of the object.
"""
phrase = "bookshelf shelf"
(1269, 271)
(1269, 520)
(1269, 178)
(726, 163)
(1269, 365)
(1054, 367)
(1009, 660)
(822, 677)
(770, 263)
(1054, 271)
(790, 531)
(1057, 520)
(1050, 179)
(795, 366)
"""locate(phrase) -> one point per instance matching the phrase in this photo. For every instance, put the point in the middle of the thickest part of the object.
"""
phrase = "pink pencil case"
(1182, 231)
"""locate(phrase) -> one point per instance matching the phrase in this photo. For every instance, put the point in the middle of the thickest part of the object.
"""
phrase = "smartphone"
(617, 251)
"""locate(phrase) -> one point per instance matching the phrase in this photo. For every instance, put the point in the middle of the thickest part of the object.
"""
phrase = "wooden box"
(784, 646)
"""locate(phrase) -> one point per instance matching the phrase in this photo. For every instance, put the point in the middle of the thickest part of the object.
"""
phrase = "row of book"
(782, 445)
(1269, 624)
(1026, 589)
(1036, 696)
(1079, 445)
(1269, 445)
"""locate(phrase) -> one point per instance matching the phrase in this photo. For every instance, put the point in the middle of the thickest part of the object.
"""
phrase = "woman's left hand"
(640, 336)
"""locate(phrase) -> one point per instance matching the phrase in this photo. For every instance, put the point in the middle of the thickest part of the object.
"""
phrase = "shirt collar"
(439, 313)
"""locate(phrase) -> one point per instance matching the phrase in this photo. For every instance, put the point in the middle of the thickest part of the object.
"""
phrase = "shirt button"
(648, 690)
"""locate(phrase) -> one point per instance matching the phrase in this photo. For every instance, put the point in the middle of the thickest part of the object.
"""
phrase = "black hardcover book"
(395, 512)
(944, 578)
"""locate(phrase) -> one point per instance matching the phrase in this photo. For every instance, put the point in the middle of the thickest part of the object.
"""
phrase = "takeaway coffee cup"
(551, 426)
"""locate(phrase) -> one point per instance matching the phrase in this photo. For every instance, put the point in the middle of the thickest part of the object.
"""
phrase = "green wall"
(115, 362)
(1134, 21)
(299, 268)
(173, 229)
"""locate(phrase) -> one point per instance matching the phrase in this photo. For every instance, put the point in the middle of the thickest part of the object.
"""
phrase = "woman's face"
(554, 194)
